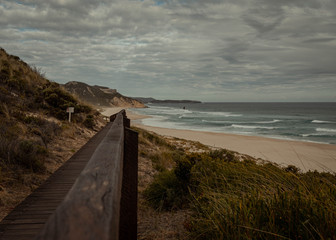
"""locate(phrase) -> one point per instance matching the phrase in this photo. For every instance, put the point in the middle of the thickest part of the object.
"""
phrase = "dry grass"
(158, 154)
(221, 194)
(35, 138)
(153, 224)
(17, 183)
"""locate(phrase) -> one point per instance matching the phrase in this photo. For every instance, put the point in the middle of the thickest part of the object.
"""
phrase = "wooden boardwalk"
(27, 219)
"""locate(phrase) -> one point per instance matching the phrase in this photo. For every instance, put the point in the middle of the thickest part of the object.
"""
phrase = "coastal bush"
(164, 160)
(162, 154)
(223, 154)
(243, 199)
(17, 151)
(166, 192)
(170, 188)
(56, 100)
(249, 201)
(30, 154)
(89, 122)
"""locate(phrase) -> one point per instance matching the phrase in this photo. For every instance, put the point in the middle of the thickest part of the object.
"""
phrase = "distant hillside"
(35, 135)
(152, 100)
(101, 96)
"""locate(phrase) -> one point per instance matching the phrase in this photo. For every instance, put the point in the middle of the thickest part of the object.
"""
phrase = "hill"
(35, 136)
(101, 96)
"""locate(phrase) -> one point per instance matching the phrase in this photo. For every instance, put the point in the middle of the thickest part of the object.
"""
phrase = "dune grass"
(235, 198)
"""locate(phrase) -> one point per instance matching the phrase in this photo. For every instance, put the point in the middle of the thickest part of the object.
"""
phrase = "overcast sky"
(208, 50)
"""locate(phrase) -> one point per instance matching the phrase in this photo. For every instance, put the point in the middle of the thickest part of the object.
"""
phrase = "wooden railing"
(102, 204)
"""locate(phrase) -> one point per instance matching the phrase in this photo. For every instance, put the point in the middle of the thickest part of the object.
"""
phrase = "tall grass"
(240, 199)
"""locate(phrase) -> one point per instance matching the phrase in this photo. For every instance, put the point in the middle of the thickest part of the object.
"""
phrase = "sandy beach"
(305, 155)
(131, 115)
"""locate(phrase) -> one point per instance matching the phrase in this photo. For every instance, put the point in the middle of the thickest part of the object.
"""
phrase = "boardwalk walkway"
(27, 219)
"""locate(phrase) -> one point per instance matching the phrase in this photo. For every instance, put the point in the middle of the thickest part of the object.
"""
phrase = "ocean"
(313, 122)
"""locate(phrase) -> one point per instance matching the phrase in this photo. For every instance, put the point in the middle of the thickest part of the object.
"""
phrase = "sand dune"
(305, 155)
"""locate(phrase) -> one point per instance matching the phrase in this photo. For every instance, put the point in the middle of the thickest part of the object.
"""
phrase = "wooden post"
(129, 196)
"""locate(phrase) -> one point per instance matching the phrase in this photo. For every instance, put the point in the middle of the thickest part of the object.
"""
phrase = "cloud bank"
(210, 50)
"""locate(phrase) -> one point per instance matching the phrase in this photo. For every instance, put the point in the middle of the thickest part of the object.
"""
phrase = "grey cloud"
(319, 40)
(78, 17)
(178, 48)
(264, 18)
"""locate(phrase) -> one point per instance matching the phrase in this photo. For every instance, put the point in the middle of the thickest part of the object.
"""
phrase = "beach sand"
(304, 155)
(110, 111)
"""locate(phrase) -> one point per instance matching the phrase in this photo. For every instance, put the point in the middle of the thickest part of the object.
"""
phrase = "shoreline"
(304, 155)
(108, 111)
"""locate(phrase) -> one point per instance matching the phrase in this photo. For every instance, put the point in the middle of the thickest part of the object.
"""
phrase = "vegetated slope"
(234, 196)
(157, 155)
(33, 121)
(101, 96)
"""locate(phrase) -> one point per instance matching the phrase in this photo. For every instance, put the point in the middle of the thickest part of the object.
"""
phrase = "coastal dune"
(304, 155)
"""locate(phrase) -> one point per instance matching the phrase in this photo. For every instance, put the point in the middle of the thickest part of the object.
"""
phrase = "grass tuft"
(233, 198)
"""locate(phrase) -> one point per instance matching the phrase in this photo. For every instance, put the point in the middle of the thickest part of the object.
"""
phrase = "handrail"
(102, 204)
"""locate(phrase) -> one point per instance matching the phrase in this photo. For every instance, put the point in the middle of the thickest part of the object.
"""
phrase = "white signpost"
(70, 110)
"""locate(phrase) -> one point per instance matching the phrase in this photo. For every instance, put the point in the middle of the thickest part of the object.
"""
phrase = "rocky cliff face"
(101, 96)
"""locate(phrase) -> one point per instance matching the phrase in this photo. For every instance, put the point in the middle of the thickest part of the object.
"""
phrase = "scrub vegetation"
(33, 119)
(32, 113)
(231, 196)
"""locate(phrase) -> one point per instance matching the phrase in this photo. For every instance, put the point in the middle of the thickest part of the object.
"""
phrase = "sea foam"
(274, 121)
(222, 114)
(320, 121)
(330, 130)
(251, 127)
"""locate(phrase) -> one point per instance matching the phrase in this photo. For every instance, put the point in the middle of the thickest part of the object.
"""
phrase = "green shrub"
(84, 109)
(17, 83)
(30, 154)
(89, 122)
(166, 192)
(292, 169)
(250, 201)
(53, 100)
(56, 101)
(184, 166)
(15, 151)
(163, 160)
(234, 199)
(4, 74)
(223, 154)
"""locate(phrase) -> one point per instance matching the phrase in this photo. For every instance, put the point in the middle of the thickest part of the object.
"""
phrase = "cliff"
(101, 96)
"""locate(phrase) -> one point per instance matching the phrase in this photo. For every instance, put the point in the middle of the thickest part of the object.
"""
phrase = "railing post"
(129, 192)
